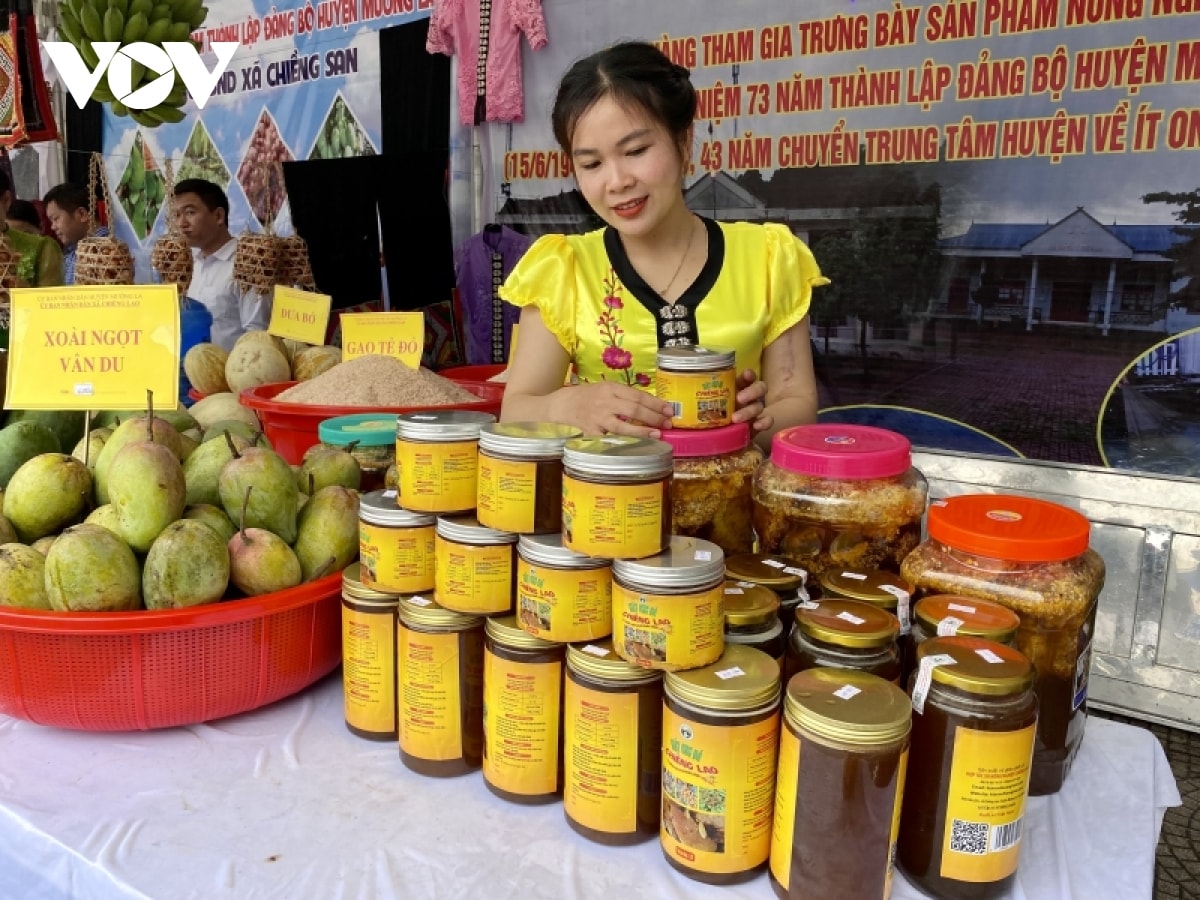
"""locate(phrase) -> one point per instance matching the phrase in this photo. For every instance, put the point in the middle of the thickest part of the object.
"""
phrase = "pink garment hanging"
(488, 34)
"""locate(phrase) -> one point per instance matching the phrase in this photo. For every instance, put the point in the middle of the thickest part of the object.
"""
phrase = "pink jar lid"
(709, 441)
(833, 450)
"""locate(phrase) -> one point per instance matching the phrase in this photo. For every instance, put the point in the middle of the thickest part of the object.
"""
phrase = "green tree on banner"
(1187, 252)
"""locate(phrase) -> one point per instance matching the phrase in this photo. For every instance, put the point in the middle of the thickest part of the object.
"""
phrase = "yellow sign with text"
(94, 347)
(300, 315)
(398, 334)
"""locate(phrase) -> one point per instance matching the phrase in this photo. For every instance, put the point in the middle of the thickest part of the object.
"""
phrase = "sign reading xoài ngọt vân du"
(398, 334)
(94, 347)
(299, 315)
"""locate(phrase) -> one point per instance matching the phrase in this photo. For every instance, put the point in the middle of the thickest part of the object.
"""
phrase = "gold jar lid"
(598, 659)
(848, 623)
(505, 630)
(417, 609)
(872, 586)
(742, 680)
(980, 666)
(771, 571)
(848, 705)
(754, 605)
(616, 454)
(354, 589)
(968, 616)
(527, 439)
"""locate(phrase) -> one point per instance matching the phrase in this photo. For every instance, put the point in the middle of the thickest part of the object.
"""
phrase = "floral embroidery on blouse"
(614, 355)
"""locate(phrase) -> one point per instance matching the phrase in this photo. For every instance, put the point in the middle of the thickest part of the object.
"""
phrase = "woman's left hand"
(752, 401)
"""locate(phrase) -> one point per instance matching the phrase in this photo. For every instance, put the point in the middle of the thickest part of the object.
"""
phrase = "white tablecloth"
(286, 803)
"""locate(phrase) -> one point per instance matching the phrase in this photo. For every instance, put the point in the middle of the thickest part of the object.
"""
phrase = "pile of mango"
(163, 510)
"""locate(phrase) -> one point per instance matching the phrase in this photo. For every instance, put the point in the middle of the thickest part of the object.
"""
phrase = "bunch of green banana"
(149, 21)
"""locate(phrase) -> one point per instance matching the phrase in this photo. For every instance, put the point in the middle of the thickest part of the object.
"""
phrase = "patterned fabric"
(69, 257)
(756, 284)
(487, 33)
(481, 263)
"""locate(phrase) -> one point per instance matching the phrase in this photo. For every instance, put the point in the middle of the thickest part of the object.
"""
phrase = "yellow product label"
(668, 631)
(473, 579)
(437, 477)
(783, 828)
(564, 605)
(614, 521)
(522, 704)
(600, 757)
(699, 399)
(507, 494)
(369, 669)
(985, 803)
(430, 696)
(396, 560)
(901, 777)
(718, 793)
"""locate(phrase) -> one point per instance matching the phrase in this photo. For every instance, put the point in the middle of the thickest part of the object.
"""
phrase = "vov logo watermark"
(166, 60)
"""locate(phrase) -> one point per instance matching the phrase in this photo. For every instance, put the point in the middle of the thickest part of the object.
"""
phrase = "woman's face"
(629, 168)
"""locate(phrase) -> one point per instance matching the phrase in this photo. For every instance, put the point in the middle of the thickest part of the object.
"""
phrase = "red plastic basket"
(292, 427)
(129, 671)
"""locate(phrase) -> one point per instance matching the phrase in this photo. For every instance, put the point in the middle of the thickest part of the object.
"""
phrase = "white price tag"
(734, 590)
(949, 626)
(795, 570)
(851, 618)
(774, 564)
(847, 692)
(746, 584)
(808, 604)
(390, 495)
(726, 674)
(595, 651)
(704, 555)
(903, 606)
(958, 607)
(989, 655)
(925, 677)
(854, 576)
(420, 601)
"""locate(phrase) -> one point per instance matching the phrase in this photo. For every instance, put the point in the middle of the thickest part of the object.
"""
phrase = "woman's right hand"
(610, 408)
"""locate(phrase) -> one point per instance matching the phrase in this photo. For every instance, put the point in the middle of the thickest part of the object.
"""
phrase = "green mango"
(22, 577)
(327, 539)
(21, 442)
(90, 569)
(188, 565)
(48, 493)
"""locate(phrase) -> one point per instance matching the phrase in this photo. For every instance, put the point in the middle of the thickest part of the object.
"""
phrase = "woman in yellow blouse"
(657, 275)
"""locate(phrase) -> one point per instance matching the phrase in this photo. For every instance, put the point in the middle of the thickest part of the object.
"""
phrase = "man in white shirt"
(203, 211)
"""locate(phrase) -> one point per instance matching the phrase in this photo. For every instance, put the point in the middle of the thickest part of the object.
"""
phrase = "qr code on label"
(969, 837)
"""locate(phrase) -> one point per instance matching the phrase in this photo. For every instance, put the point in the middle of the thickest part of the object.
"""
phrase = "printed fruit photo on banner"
(81, 22)
(141, 189)
(201, 159)
(341, 134)
(260, 175)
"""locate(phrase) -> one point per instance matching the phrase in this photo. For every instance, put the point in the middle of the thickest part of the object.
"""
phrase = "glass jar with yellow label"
(710, 490)
(752, 618)
(1032, 556)
(612, 754)
(843, 754)
(720, 737)
(839, 496)
(395, 546)
(368, 658)
(369, 437)
(975, 717)
(562, 595)
(440, 688)
(667, 610)
(887, 590)
(522, 713)
(947, 615)
(846, 634)
(475, 568)
(700, 383)
(616, 499)
(437, 454)
(785, 578)
(520, 476)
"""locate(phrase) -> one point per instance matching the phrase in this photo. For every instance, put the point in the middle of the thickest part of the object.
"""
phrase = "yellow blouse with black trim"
(757, 284)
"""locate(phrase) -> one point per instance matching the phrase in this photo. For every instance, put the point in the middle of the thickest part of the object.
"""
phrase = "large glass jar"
(787, 580)
(839, 496)
(752, 618)
(843, 751)
(845, 634)
(710, 492)
(1033, 557)
(947, 615)
(974, 718)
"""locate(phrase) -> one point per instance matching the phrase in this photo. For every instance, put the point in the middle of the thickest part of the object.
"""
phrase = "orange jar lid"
(1005, 526)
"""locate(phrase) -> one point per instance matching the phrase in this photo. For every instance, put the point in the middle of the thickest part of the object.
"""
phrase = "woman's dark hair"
(24, 211)
(633, 73)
